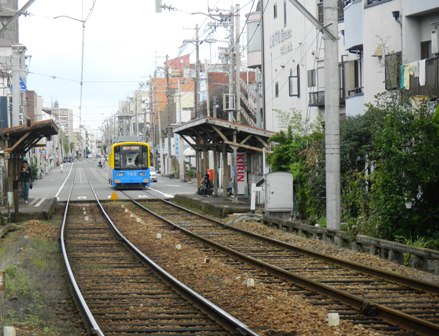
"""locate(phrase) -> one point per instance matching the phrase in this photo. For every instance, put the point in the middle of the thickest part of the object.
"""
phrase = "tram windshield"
(130, 157)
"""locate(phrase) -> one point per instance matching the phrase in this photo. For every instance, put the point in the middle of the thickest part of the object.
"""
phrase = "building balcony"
(419, 80)
(318, 98)
(353, 25)
(412, 8)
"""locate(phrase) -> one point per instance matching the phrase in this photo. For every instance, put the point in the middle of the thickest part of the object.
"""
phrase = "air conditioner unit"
(435, 41)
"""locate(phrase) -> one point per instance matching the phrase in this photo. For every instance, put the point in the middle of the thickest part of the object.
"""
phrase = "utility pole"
(332, 117)
(258, 98)
(17, 101)
(16, 16)
(197, 70)
(207, 88)
(136, 121)
(231, 61)
(237, 17)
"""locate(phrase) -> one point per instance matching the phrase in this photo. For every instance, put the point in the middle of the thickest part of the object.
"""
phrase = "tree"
(302, 155)
(407, 170)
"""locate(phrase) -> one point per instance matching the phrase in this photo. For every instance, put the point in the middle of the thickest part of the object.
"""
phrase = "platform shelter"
(245, 146)
(15, 142)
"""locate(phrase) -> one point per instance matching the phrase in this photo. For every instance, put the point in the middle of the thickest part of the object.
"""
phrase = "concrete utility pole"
(197, 70)
(18, 117)
(332, 114)
(232, 63)
(332, 117)
(237, 17)
(16, 16)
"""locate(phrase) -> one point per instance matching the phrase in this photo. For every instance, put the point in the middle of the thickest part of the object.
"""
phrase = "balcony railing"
(417, 76)
(318, 98)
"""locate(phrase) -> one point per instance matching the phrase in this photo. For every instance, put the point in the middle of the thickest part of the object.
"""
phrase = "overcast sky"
(122, 39)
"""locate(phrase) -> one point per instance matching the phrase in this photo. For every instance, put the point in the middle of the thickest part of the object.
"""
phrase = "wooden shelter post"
(215, 171)
(225, 172)
(234, 160)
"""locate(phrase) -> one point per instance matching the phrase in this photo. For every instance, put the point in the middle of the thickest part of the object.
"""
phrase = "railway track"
(368, 296)
(121, 291)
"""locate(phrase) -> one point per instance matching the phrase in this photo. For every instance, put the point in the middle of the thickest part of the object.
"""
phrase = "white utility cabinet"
(279, 193)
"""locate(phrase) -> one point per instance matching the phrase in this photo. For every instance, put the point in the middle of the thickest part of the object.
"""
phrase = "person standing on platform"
(26, 180)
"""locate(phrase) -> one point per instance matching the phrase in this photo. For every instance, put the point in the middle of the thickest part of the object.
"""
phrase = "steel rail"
(366, 307)
(408, 282)
(95, 329)
(218, 313)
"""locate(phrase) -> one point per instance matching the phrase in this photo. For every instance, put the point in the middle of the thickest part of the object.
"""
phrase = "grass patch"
(43, 258)
(17, 283)
(2, 252)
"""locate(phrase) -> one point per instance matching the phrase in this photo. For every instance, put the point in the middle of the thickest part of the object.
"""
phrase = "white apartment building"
(387, 34)
(293, 63)
(375, 38)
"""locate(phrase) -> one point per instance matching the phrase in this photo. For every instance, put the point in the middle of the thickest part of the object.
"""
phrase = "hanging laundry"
(422, 72)
(401, 76)
(407, 72)
(415, 66)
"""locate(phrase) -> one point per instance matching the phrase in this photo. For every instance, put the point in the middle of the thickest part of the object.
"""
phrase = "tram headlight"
(119, 174)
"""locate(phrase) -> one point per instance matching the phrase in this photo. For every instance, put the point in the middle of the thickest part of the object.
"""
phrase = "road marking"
(142, 196)
(160, 192)
(82, 197)
(62, 185)
(40, 202)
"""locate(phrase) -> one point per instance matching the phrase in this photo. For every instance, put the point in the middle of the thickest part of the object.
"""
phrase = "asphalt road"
(57, 183)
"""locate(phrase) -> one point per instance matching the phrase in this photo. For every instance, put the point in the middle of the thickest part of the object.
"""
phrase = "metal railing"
(317, 98)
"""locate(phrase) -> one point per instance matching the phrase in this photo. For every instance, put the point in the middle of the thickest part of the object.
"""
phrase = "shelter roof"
(20, 139)
(211, 133)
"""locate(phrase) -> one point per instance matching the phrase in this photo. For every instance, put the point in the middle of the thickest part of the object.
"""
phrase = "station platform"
(217, 206)
(37, 208)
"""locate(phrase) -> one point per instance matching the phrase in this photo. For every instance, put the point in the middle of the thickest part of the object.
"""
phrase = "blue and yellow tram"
(129, 165)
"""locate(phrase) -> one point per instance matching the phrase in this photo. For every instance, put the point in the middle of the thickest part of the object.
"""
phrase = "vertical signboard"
(241, 173)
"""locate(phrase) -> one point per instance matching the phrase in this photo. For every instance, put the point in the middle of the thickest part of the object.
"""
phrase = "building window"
(312, 78)
(426, 50)
(275, 10)
(276, 89)
(352, 81)
(294, 83)
(285, 13)
(370, 3)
